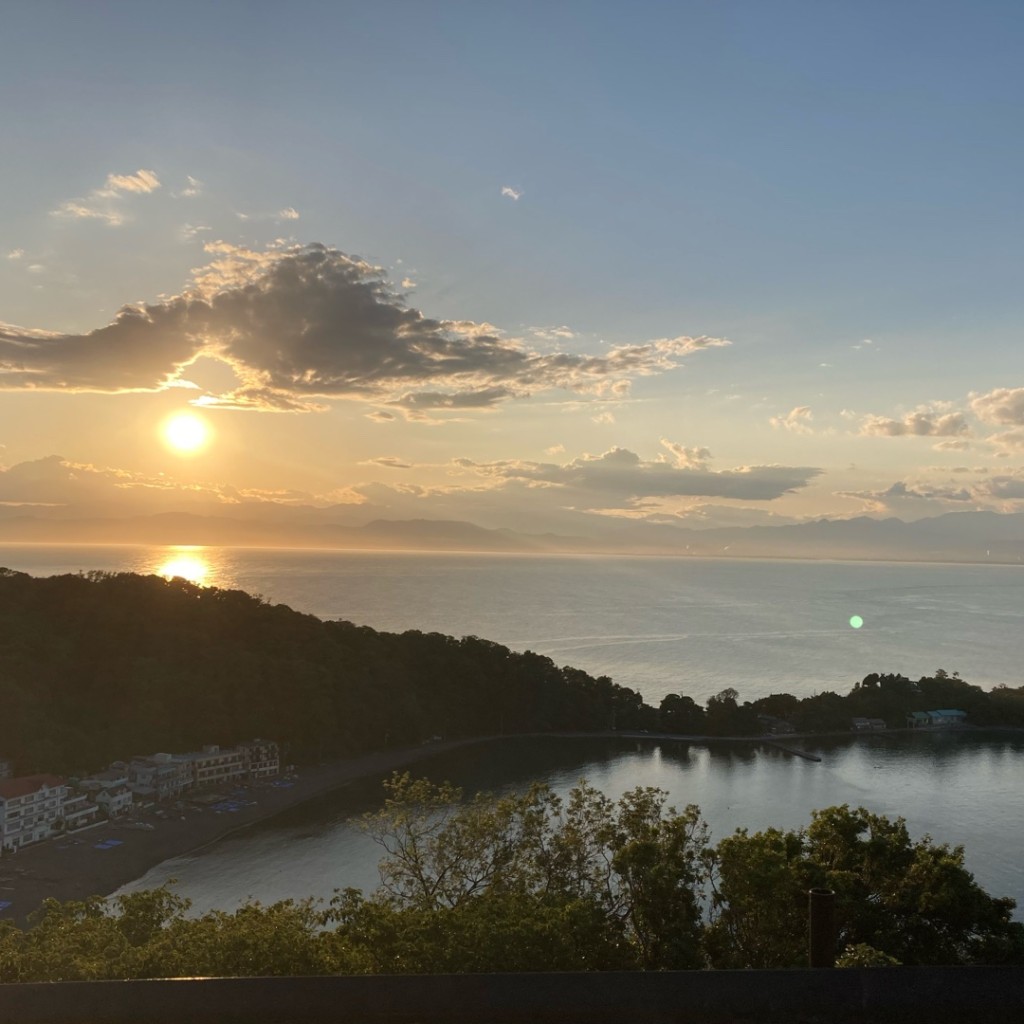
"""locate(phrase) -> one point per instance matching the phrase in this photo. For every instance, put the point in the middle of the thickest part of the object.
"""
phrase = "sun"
(186, 433)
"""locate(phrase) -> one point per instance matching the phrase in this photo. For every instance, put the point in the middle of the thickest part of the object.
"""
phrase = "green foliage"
(530, 882)
(863, 955)
(914, 901)
(97, 666)
(635, 864)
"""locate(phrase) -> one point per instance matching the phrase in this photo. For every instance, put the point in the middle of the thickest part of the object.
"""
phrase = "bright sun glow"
(186, 433)
(188, 563)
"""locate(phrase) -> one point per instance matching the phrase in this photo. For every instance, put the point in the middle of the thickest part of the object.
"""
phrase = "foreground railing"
(903, 994)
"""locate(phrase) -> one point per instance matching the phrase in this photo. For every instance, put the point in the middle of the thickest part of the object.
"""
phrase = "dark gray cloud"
(422, 401)
(143, 348)
(309, 323)
(620, 478)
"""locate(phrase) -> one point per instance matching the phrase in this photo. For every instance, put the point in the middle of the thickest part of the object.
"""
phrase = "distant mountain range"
(955, 537)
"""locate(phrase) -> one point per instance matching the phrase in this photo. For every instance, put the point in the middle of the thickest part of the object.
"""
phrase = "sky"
(526, 265)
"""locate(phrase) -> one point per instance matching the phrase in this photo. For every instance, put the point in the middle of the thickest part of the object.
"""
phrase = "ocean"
(658, 625)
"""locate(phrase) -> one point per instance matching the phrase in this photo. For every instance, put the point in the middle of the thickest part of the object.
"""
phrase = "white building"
(30, 807)
(79, 811)
(262, 758)
(212, 766)
(110, 790)
(159, 776)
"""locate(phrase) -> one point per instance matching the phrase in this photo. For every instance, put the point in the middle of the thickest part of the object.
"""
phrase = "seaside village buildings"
(37, 807)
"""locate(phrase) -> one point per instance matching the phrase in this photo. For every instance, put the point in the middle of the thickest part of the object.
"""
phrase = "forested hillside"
(101, 666)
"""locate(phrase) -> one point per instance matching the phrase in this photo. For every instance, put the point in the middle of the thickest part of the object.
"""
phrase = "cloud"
(1009, 441)
(299, 324)
(414, 404)
(193, 189)
(561, 333)
(142, 350)
(1002, 405)
(191, 231)
(16, 254)
(911, 499)
(101, 203)
(511, 193)
(865, 346)
(141, 182)
(388, 462)
(920, 423)
(687, 458)
(1002, 488)
(951, 446)
(288, 213)
(380, 416)
(620, 478)
(76, 210)
(604, 419)
(796, 420)
(408, 282)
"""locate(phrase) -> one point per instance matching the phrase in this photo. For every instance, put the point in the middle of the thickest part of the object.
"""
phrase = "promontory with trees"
(96, 664)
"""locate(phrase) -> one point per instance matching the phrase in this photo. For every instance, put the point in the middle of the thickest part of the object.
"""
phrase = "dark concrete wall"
(898, 994)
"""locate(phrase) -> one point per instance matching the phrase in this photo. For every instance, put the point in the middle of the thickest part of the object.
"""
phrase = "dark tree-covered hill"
(100, 666)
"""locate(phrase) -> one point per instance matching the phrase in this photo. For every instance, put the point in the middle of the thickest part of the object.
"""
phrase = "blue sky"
(834, 188)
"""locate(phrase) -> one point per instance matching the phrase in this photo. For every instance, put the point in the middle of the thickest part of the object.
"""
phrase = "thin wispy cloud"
(140, 182)
(511, 193)
(387, 462)
(103, 203)
(192, 189)
(16, 254)
(796, 421)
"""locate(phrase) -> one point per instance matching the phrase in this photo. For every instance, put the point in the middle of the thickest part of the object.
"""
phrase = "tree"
(914, 901)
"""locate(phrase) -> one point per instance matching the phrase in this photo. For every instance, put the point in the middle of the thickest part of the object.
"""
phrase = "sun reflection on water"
(189, 563)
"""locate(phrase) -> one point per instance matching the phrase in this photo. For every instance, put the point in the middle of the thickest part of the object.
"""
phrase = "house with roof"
(31, 808)
(109, 790)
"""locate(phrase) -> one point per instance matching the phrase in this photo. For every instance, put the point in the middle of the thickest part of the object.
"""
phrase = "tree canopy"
(531, 882)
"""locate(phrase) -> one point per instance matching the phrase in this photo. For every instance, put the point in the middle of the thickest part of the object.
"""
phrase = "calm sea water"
(660, 626)
(964, 790)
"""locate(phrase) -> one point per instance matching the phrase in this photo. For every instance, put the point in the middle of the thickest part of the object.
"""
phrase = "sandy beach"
(87, 864)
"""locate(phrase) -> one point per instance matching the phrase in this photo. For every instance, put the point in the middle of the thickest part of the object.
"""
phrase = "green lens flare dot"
(856, 621)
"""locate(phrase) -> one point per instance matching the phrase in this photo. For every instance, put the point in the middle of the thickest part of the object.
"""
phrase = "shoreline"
(74, 867)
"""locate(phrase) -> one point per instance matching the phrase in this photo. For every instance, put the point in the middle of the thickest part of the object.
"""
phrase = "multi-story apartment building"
(6, 768)
(30, 807)
(159, 776)
(212, 766)
(262, 758)
(79, 811)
